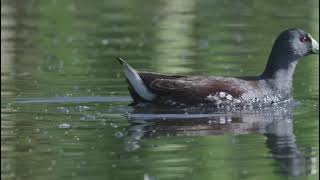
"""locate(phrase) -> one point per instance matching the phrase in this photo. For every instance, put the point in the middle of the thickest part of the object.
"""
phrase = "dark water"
(64, 112)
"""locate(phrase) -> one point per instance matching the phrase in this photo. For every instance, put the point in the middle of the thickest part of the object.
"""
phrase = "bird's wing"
(195, 88)
(148, 77)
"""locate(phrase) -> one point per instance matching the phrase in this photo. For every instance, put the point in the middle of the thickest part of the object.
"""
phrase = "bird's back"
(193, 89)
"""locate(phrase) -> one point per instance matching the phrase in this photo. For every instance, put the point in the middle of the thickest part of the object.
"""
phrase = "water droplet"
(88, 117)
(63, 110)
(236, 101)
(140, 44)
(222, 94)
(229, 97)
(216, 98)
(64, 126)
(148, 177)
(82, 108)
(244, 172)
(118, 134)
(154, 131)
(222, 120)
(105, 42)
(114, 125)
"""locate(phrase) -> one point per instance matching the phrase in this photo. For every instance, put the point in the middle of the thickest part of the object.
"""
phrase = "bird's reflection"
(275, 123)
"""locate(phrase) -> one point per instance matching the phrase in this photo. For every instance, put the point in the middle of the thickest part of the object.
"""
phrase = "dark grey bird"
(272, 86)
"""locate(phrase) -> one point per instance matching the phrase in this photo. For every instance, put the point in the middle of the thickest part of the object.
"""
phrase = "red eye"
(305, 39)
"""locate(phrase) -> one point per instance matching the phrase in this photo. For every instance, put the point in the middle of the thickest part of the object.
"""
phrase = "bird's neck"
(279, 71)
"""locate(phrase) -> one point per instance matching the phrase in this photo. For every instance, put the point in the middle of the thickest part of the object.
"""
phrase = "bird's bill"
(315, 46)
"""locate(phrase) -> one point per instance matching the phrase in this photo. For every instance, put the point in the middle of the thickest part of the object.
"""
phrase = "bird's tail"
(135, 81)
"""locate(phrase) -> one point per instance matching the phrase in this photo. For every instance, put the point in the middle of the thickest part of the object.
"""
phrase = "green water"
(64, 112)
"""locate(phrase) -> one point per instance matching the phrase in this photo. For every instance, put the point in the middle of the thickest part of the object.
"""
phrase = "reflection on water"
(64, 112)
(175, 29)
(276, 123)
(7, 77)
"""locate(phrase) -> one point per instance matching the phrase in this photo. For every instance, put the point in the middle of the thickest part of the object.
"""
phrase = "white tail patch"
(136, 81)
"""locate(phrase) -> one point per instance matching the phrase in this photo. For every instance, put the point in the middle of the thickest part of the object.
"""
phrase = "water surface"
(64, 112)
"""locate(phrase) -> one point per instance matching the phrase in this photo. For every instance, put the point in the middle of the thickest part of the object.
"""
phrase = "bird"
(272, 86)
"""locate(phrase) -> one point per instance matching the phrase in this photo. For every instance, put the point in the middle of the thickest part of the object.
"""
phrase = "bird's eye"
(305, 38)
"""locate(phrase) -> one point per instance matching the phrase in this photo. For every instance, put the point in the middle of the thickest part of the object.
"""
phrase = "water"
(64, 112)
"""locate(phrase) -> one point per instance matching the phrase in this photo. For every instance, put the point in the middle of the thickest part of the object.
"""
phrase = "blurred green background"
(54, 50)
